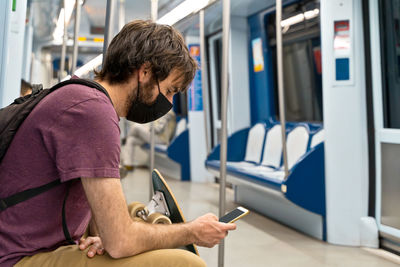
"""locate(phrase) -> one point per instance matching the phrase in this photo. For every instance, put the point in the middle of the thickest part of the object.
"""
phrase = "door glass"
(390, 212)
(218, 59)
(214, 68)
(302, 72)
(390, 28)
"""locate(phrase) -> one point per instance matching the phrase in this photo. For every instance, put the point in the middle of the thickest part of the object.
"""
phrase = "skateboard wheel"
(135, 207)
(158, 218)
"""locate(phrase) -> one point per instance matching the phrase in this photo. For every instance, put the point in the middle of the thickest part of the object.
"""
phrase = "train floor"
(258, 241)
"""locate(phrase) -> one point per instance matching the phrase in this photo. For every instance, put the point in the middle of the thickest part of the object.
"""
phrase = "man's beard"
(145, 94)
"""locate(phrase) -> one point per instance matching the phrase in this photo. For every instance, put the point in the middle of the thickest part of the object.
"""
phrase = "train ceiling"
(45, 13)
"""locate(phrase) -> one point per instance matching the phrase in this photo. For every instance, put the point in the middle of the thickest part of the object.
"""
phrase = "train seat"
(271, 155)
(254, 147)
(296, 143)
(273, 148)
(317, 138)
(181, 126)
(244, 149)
(177, 151)
(255, 143)
(305, 149)
(271, 165)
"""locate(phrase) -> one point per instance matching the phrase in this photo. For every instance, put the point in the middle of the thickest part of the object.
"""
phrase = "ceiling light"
(299, 18)
(59, 31)
(182, 10)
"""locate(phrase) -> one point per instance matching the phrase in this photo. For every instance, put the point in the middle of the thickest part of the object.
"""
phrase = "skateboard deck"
(176, 215)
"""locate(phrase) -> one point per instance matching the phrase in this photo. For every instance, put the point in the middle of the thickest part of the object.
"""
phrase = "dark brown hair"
(141, 42)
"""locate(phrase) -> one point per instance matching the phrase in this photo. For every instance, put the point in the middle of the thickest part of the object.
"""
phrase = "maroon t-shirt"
(71, 133)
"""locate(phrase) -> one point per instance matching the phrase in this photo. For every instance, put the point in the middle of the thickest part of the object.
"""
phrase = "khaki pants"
(72, 256)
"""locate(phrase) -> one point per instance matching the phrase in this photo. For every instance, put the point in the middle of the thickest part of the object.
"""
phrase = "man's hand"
(208, 231)
(94, 244)
(123, 237)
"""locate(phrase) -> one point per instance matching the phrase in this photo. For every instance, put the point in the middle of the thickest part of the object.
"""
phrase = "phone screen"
(233, 215)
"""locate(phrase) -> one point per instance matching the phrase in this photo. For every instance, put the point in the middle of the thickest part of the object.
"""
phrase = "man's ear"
(144, 72)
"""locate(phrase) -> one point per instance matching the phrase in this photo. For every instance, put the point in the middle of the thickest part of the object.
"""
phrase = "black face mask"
(143, 113)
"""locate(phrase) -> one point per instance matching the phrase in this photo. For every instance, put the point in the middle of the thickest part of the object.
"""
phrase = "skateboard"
(162, 208)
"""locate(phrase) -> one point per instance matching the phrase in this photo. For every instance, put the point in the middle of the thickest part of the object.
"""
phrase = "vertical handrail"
(121, 23)
(154, 10)
(121, 14)
(280, 82)
(204, 86)
(224, 107)
(109, 27)
(154, 13)
(63, 47)
(76, 33)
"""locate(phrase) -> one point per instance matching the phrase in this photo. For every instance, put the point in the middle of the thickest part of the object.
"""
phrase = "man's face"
(148, 90)
(168, 87)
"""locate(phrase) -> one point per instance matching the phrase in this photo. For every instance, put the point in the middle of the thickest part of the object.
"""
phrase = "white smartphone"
(234, 215)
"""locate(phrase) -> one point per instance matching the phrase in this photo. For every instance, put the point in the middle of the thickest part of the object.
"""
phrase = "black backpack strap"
(36, 88)
(64, 220)
(30, 193)
(86, 82)
(25, 195)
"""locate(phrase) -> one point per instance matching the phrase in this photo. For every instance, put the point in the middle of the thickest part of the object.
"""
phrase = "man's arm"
(123, 237)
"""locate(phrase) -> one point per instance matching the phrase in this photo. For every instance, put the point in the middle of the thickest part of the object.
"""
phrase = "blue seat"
(178, 149)
(304, 185)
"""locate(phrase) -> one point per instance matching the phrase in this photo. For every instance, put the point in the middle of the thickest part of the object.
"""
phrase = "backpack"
(11, 118)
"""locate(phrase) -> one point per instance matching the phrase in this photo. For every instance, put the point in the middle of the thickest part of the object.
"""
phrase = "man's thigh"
(71, 256)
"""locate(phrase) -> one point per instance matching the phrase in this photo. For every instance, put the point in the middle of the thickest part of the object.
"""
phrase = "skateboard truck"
(157, 204)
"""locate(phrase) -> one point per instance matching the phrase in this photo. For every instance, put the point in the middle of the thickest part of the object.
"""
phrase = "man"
(73, 133)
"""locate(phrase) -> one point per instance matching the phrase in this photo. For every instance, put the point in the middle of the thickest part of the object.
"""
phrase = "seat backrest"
(272, 153)
(296, 143)
(180, 126)
(255, 142)
(318, 138)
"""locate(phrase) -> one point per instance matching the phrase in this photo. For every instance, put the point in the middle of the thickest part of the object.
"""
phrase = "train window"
(180, 104)
(214, 53)
(390, 44)
(215, 67)
(390, 213)
(301, 61)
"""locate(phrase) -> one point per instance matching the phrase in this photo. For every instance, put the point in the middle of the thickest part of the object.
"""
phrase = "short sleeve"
(85, 140)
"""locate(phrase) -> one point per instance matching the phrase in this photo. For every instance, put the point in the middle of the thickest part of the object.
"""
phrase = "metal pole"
(121, 22)
(63, 48)
(76, 32)
(280, 81)
(154, 13)
(121, 15)
(152, 151)
(224, 106)
(109, 27)
(204, 86)
(154, 10)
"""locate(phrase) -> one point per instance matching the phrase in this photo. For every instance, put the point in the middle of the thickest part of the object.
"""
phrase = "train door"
(215, 58)
(384, 21)
(302, 71)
